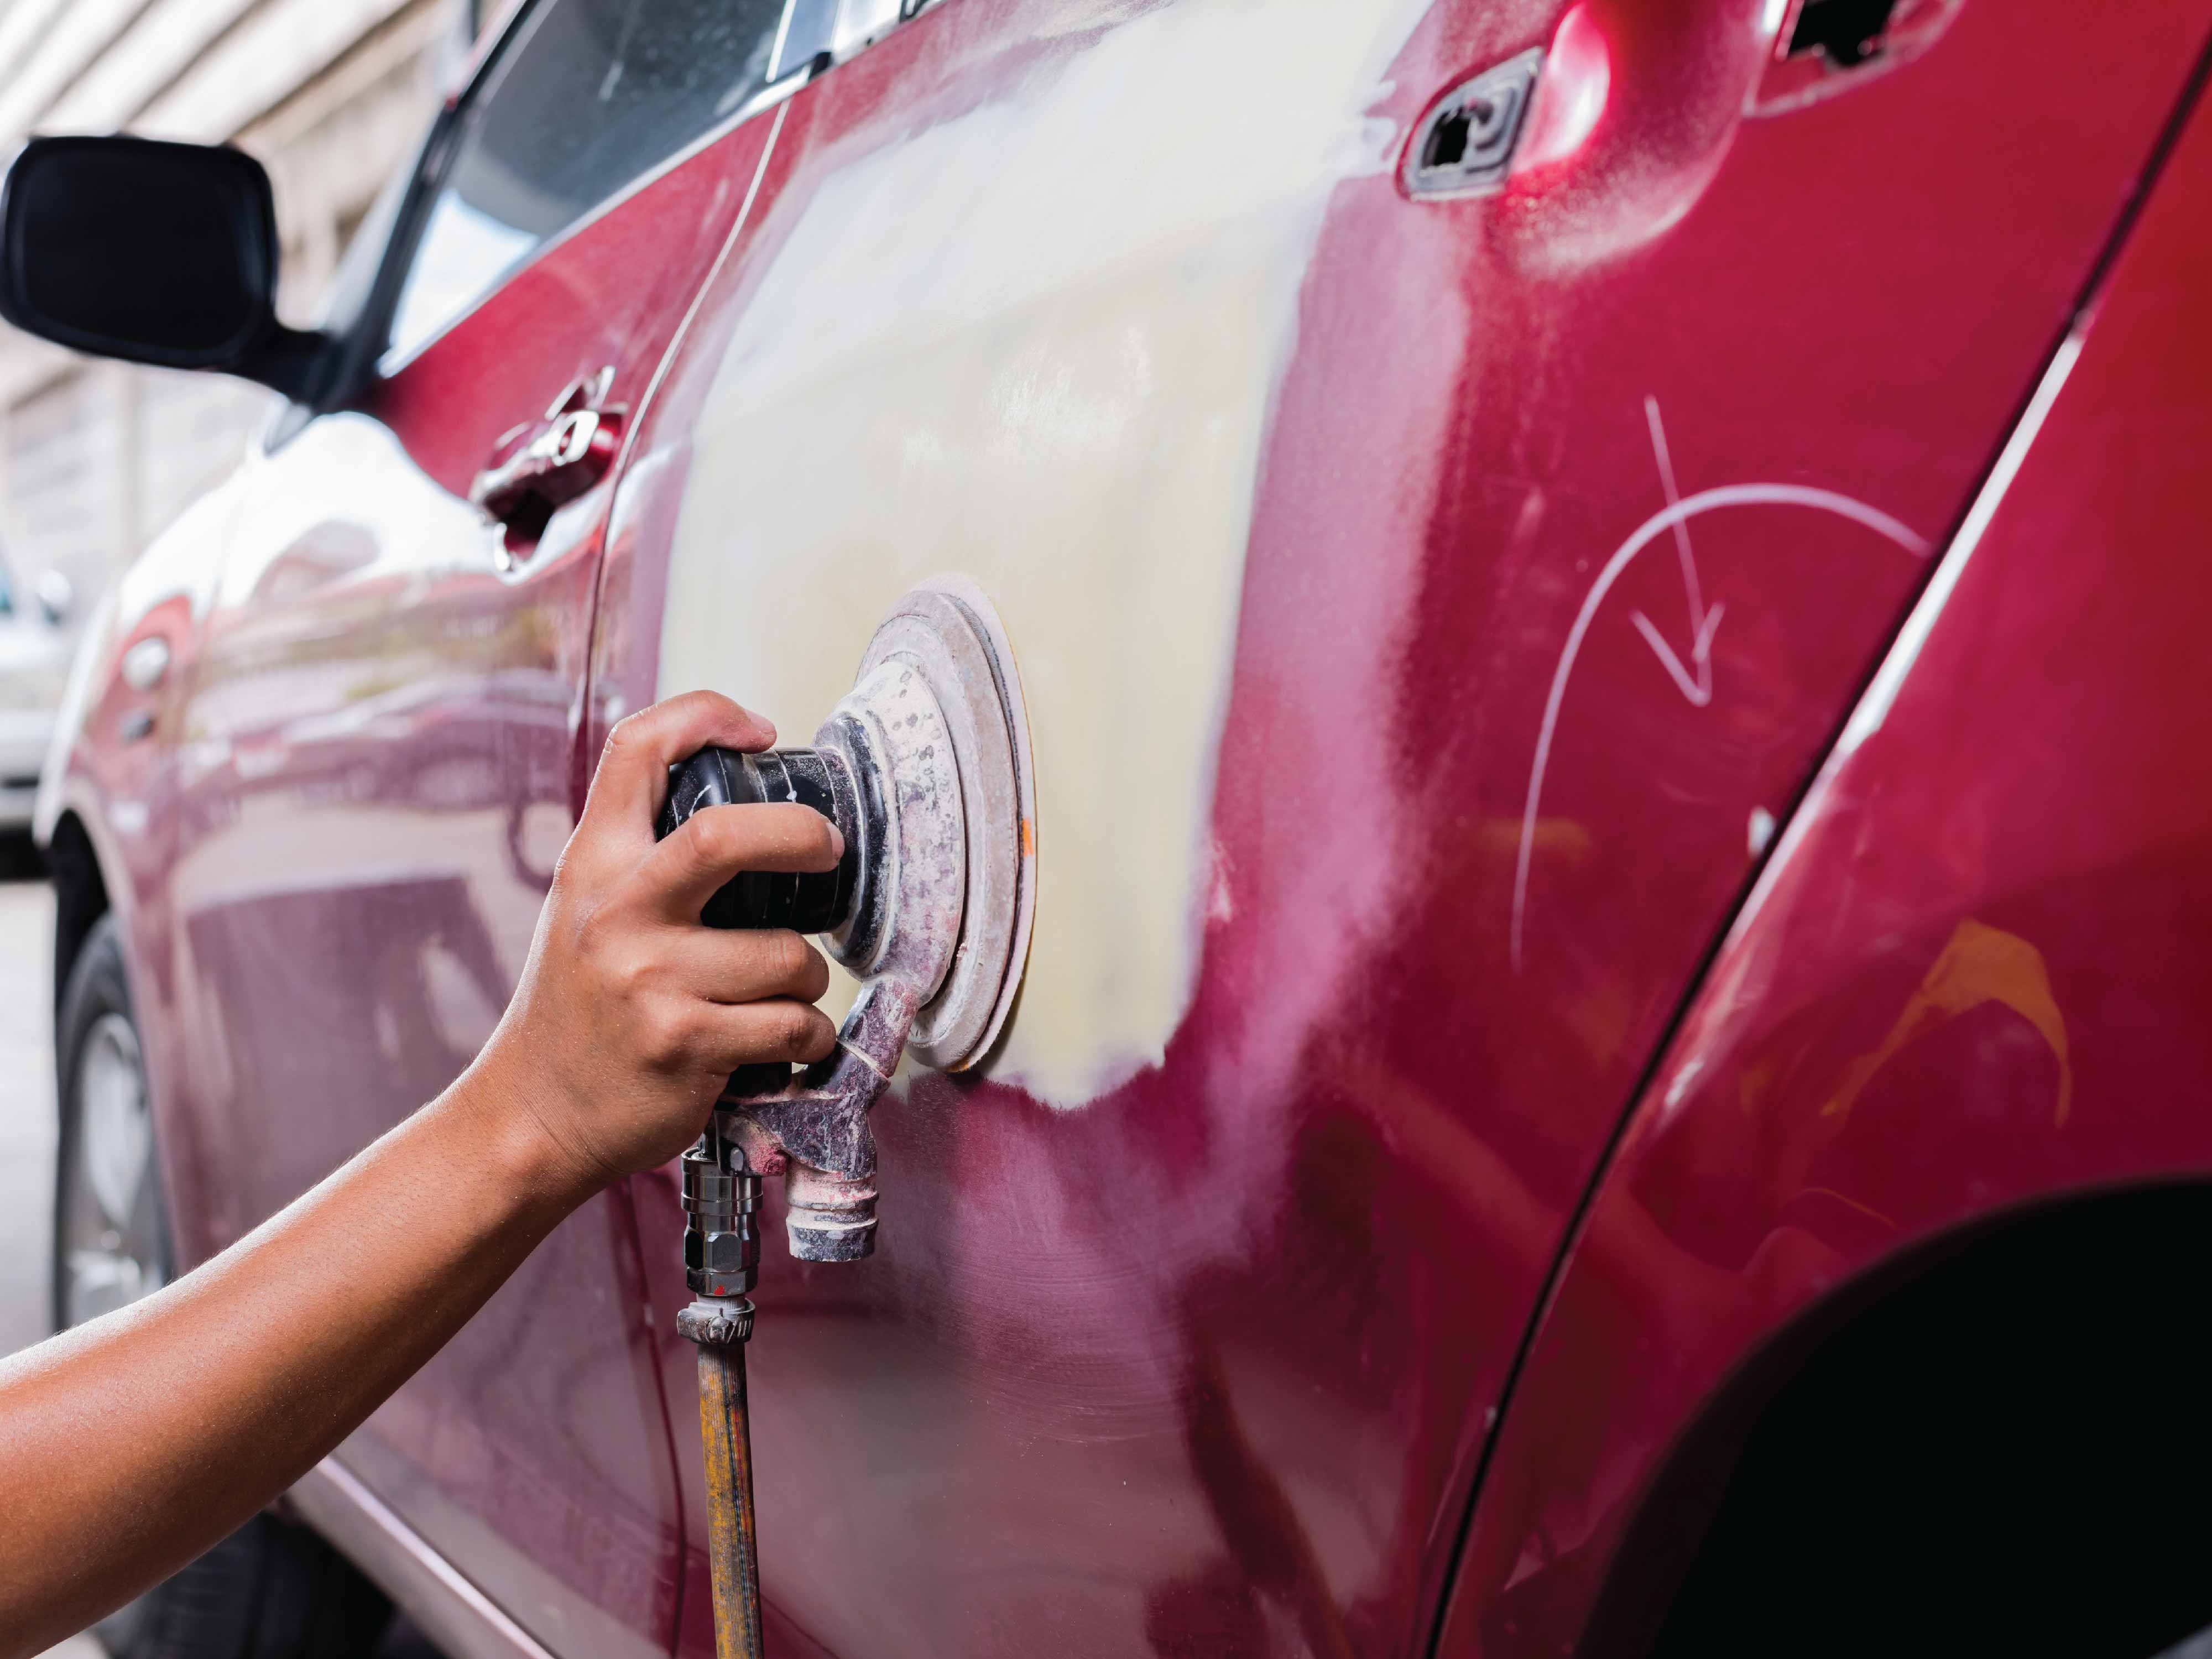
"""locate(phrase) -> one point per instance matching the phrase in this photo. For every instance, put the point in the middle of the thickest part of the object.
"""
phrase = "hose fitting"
(721, 1228)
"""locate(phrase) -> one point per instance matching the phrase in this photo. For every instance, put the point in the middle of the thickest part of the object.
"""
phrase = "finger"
(716, 843)
(780, 1029)
(633, 776)
(744, 965)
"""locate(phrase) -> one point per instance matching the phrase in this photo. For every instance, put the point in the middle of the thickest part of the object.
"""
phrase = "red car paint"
(1209, 1366)
(1972, 976)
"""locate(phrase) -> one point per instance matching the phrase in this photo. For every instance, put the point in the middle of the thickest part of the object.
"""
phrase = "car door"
(377, 761)
(1429, 593)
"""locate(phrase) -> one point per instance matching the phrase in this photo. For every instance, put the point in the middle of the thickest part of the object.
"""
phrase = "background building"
(331, 94)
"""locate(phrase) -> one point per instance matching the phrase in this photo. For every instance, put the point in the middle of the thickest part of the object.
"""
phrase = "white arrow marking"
(1702, 624)
(1700, 690)
(1705, 501)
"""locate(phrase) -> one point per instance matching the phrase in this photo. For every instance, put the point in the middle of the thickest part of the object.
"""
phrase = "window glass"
(588, 95)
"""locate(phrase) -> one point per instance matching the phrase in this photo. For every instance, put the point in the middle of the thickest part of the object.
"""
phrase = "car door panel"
(1398, 759)
(1970, 986)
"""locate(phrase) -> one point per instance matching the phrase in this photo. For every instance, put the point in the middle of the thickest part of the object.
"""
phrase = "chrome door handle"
(557, 465)
(573, 450)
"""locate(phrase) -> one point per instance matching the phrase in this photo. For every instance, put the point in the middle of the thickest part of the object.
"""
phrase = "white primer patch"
(1038, 345)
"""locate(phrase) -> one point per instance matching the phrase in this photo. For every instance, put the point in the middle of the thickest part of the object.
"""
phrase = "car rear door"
(378, 762)
(1430, 597)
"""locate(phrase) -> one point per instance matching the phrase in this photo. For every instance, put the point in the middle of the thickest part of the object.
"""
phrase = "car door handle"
(555, 467)
(574, 449)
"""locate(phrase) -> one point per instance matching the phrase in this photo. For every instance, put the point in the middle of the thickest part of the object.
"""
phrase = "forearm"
(136, 1441)
(129, 1446)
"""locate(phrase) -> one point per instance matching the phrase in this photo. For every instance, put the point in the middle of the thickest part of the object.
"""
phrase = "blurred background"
(97, 457)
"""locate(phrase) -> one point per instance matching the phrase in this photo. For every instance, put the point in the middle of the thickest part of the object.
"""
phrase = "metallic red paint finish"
(1974, 975)
(1237, 1383)
(1204, 1368)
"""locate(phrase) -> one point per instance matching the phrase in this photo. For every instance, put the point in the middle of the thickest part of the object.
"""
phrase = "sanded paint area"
(1037, 344)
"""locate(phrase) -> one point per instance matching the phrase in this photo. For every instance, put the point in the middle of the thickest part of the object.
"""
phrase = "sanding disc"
(950, 633)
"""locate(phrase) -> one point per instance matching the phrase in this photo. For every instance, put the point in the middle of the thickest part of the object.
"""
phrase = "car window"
(587, 95)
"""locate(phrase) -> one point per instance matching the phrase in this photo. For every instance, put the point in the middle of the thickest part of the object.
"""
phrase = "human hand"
(630, 1015)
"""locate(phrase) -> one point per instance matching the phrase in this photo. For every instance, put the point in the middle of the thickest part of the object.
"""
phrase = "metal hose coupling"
(721, 1223)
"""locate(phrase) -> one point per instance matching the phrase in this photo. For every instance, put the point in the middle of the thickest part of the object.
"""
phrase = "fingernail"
(837, 840)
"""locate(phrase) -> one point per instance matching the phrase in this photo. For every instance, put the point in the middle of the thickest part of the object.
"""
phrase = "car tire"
(110, 1234)
(270, 1590)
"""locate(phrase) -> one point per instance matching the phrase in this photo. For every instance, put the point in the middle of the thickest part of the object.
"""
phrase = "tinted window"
(588, 95)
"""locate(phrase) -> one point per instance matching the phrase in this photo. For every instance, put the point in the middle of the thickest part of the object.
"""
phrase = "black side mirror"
(152, 253)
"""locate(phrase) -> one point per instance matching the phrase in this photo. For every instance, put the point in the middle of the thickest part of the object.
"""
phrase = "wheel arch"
(2016, 1401)
(81, 897)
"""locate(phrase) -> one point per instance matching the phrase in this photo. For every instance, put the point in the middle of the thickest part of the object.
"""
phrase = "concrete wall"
(331, 95)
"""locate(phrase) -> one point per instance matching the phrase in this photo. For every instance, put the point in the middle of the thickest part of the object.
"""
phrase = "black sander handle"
(819, 778)
(806, 903)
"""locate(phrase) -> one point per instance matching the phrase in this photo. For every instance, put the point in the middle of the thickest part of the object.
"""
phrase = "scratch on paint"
(1675, 516)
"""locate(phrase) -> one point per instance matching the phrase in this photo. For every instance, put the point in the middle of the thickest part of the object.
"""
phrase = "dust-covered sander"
(924, 766)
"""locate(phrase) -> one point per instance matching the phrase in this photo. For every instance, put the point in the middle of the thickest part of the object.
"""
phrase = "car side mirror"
(152, 252)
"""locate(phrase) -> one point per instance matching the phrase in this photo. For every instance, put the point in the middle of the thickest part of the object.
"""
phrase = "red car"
(1614, 1055)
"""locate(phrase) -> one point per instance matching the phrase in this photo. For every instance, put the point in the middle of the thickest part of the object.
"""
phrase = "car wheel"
(111, 1239)
(270, 1591)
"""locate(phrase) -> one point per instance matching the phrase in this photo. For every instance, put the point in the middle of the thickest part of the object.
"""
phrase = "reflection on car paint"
(1295, 493)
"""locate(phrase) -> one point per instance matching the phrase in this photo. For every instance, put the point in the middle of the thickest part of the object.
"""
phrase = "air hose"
(730, 1535)
(722, 1260)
